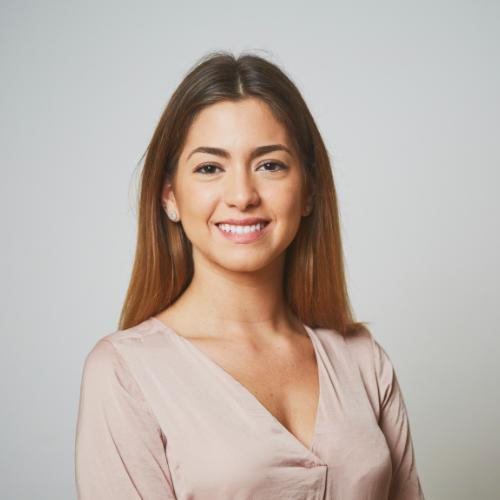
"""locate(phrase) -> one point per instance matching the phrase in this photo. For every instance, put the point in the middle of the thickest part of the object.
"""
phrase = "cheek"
(286, 202)
(199, 204)
(285, 195)
(286, 208)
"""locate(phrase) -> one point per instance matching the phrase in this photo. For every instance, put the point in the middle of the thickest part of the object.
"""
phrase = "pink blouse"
(159, 419)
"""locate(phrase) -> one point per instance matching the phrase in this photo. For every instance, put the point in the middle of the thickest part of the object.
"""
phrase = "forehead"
(235, 125)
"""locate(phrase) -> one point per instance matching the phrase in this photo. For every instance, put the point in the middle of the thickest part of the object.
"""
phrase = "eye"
(206, 166)
(278, 163)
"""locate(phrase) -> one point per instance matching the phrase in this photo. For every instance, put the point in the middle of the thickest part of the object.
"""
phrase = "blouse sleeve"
(395, 425)
(119, 446)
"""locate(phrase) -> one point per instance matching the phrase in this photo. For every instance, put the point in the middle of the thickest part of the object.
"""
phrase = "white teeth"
(241, 229)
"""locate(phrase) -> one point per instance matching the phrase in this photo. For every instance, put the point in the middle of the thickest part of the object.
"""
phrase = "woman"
(237, 371)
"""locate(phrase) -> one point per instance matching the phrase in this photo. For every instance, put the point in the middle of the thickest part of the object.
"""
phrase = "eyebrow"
(261, 150)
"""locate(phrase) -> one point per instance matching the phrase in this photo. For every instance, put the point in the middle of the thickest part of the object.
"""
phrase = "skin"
(234, 308)
(239, 286)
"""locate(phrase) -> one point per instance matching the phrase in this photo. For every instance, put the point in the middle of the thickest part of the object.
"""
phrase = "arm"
(119, 452)
(394, 422)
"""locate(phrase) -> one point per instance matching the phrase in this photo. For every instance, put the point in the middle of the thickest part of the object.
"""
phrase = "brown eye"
(281, 166)
(206, 166)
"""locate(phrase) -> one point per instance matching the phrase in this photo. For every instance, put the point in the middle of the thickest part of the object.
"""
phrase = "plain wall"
(406, 96)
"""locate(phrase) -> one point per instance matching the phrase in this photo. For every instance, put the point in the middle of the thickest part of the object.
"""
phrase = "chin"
(244, 264)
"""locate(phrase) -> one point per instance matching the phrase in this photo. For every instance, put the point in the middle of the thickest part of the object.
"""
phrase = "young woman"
(237, 371)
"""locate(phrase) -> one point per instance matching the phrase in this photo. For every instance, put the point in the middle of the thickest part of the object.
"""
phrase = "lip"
(243, 222)
(244, 237)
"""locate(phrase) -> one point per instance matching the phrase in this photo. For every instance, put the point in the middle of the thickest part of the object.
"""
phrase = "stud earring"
(172, 214)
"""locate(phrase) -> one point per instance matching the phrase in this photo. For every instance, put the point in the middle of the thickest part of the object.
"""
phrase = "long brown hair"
(314, 282)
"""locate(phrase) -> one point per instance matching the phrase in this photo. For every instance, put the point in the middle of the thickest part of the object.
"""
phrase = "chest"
(285, 382)
(222, 442)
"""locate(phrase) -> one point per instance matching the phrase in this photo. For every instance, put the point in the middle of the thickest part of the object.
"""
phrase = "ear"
(307, 198)
(168, 197)
(307, 204)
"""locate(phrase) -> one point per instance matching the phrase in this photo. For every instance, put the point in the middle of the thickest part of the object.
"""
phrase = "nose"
(240, 188)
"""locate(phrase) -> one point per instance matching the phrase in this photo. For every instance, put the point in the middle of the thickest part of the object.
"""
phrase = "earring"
(172, 214)
(308, 210)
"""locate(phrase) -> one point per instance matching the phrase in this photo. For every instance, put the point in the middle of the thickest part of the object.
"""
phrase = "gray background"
(406, 97)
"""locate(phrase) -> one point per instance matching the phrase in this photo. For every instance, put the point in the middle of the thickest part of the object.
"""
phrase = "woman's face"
(237, 180)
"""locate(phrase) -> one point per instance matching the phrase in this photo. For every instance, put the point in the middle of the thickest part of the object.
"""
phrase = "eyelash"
(282, 165)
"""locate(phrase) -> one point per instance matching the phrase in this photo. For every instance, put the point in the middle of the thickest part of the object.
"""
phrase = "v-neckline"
(312, 336)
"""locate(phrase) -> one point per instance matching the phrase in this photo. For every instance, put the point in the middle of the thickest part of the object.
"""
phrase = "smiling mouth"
(242, 229)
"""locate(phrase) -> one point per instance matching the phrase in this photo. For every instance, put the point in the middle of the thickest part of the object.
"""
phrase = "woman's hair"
(314, 280)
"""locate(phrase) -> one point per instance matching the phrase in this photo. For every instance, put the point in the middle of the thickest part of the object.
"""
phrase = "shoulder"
(370, 353)
(109, 374)
(360, 344)
(366, 349)
(105, 370)
(360, 352)
(112, 347)
(113, 354)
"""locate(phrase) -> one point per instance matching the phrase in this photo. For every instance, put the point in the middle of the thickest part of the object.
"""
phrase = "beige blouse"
(159, 419)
